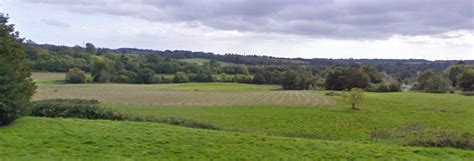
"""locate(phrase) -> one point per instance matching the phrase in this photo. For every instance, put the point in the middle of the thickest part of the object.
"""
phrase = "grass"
(405, 116)
(201, 61)
(178, 95)
(223, 87)
(31, 138)
(48, 77)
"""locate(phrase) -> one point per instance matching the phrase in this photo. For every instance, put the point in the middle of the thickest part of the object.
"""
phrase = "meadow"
(254, 122)
(201, 61)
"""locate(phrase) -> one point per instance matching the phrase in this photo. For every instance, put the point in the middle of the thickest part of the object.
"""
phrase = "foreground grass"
(403, 116)
(31, 138)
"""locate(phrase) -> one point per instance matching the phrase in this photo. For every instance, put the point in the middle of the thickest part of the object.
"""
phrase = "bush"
(437, 84)
(75, 75)
(385, 86)
(74, 108)
(355, 97)
(241, 78)
(180, 77)
(463, 142)
(467, 93)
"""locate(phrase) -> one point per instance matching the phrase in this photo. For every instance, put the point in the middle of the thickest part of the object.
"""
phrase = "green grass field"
(32, 138)
(255, 123)
(201, 61)
(405, 115)
(48, 77)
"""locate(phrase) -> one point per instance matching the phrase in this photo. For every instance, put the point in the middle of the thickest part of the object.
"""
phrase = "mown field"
(254, 122)
(201, 61)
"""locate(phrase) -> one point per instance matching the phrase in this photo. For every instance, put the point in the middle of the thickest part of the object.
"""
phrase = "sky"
(394, 29)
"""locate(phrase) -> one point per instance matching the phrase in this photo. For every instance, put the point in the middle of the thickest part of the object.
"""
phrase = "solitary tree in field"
(75, 75)
(355, 97)
(16, 86)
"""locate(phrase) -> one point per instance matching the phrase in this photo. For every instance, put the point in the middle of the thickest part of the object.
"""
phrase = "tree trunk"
(354, 106)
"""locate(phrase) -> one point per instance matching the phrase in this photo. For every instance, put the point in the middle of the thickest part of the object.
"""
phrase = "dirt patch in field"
(160, 95)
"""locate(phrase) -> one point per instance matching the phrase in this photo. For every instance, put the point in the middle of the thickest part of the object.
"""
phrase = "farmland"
(201, 61)
(254, 122)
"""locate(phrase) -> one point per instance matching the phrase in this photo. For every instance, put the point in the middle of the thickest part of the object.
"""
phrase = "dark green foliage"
(453, 73)
(422, 79)
(293, 80)
(74, 108)
(16, 86)
(346, 78)
(387, 86)
(90, 48)
(437, 84)
(465, 80)
(372, 72)
(188, 123)
(180, 77)
(145, 76)
(75, 75)
(429, 81)
(259, 78)
(466, 141)
(101, 70)
(242, 78)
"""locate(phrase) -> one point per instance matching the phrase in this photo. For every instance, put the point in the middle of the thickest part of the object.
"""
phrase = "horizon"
(260, 55)
(303, 29)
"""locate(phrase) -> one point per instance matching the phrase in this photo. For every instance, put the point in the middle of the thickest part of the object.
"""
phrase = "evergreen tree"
(16, 86)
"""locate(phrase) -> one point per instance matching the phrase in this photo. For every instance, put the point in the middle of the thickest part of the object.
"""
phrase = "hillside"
(32, 138)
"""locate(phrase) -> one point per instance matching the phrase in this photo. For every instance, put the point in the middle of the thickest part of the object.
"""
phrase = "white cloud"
(111, 30)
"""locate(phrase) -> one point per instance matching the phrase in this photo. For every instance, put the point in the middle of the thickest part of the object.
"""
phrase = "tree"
(16, 86)
(453, 72)
(180, 77)
(422, 79)
(90, 48)
(75, 75)
(146, 76)
(466, 80)
(372, 72)
(437, 84)
(346, 78)
(259, 78)
(355, 97)
(290, 79)
(100, 70)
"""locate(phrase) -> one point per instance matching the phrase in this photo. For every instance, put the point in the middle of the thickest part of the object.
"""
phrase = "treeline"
(150, 66)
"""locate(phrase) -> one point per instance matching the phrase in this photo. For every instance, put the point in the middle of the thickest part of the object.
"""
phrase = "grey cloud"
(56, 23)
(352, 19)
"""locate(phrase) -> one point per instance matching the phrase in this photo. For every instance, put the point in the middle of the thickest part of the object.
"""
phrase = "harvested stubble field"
(174, 95)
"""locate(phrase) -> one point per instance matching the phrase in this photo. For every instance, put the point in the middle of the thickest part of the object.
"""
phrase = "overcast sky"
(426, 29)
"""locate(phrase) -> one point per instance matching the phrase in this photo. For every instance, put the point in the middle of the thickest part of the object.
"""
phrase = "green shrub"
(386, 86)
(467, 93)
(75, 75)
(74, 108)
(180, 77)
(89, 109)
(463, 142)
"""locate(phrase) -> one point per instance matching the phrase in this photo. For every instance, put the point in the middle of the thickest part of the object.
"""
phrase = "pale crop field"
(174, 95)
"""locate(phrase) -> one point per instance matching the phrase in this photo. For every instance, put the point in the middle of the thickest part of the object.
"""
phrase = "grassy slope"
(201, 61)
(52, 139)
(405, 115)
